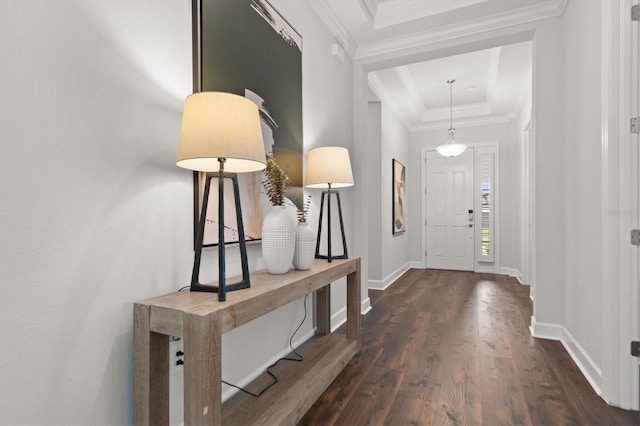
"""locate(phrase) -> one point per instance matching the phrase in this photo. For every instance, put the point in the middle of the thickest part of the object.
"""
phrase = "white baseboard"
(365, 306)
(584, 362)
(230, 391)
(486, 268)
(489, 268)
(338, 318)
(416, 265)
(544, 330)
(512, 272)
(589, 369)
(383, 284)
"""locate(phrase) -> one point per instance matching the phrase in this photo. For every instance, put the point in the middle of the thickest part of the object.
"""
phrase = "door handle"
(470, 215)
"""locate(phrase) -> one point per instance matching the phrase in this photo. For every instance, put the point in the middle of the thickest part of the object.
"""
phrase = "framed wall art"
(246, 47)
(399, 197)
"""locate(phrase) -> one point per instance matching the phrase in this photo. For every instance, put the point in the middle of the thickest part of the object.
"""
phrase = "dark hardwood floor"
(445, 347)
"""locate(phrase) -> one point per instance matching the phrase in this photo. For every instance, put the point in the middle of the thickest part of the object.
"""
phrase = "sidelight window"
(486, 203)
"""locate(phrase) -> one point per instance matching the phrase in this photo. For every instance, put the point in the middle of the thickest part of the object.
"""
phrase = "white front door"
(449, 207)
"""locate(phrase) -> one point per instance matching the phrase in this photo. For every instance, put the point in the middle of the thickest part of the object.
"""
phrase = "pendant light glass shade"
(451, 148)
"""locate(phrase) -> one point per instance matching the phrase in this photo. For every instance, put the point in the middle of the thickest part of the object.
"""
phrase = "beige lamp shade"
(220, 125)
(329, 165)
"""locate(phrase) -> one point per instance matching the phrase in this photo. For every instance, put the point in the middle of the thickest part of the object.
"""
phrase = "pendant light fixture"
(451, 148)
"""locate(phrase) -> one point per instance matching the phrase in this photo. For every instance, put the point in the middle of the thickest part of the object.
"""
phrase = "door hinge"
(635, 12)
(635, 237)
(635, 125)
(635, 348)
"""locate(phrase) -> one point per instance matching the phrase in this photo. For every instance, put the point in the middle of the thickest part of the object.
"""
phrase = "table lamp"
(221, 136)
(329, 167)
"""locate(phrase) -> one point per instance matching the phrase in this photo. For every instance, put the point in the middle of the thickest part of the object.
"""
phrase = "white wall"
(387, 139)
(583, 176)
(548, 84)
(395, 144)
(522, 126)
(374, 195)
(94, 214)
(593, 338)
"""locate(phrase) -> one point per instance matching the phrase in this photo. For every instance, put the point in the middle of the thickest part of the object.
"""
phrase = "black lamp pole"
(222, 286)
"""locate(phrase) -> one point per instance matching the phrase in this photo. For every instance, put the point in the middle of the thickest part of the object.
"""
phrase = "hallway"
(445, 347)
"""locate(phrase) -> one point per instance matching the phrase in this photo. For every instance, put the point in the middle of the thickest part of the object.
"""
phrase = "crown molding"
(475, 121)
(391, 13)
(370, 8)
(459, 112)
(409, 85)
(383, 95)
(525, 94)
(331, 21)
(536, 12)
(494, 67)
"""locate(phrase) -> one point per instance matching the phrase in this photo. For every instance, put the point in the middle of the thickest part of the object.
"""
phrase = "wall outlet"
(176, 354)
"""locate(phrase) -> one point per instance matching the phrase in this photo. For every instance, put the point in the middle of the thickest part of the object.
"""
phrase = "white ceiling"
(490, 86)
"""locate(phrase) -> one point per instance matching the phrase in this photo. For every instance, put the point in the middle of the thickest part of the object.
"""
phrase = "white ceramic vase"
(305, 247)
(278, 240)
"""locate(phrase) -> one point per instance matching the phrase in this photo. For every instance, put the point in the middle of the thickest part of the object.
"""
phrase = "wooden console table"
(200, 319)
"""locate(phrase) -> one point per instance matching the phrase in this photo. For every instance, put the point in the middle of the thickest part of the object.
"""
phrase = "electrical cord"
(298, 358)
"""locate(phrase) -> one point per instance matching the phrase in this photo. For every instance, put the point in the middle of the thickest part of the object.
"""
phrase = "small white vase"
(305, 247)
(278, 240)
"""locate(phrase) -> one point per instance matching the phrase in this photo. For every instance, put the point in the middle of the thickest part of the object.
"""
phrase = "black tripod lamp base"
(329, 256)
(222, 287)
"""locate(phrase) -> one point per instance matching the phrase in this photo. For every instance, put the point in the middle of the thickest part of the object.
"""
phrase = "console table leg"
(202, 372)
(353, 305)
(151, 371)
(323, 310)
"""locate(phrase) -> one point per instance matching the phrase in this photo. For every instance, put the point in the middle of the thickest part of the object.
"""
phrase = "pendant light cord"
(451, 148)
(451, 103)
